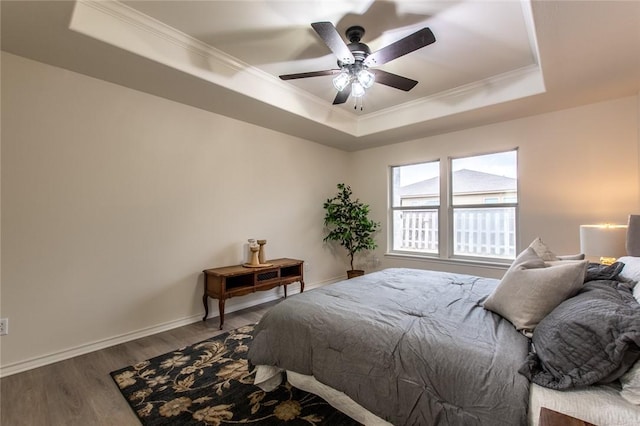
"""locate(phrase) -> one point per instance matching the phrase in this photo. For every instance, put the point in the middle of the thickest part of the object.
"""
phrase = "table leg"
(221, 309)
(205, 302)
(301, 286)
(285, 290)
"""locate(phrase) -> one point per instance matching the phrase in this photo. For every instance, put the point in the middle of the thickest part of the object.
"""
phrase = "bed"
(414, 347)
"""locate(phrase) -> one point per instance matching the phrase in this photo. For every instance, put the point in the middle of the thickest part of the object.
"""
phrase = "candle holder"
(256, 254)
(261, 243)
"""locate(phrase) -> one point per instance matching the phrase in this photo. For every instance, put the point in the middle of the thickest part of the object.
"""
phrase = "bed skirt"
(587, 404)
(268, 378)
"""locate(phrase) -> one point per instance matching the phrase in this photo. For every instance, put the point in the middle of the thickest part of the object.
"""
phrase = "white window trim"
(445, 220)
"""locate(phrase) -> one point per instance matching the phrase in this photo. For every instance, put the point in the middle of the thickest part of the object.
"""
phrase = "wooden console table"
(230, 281)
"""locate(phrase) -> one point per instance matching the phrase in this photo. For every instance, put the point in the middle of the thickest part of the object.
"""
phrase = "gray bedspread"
(414, 347)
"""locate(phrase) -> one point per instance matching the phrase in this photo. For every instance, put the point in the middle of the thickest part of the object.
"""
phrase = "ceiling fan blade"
(342, 95)
(309, 74)
(332, 39)
(415, 41)
(394, 80)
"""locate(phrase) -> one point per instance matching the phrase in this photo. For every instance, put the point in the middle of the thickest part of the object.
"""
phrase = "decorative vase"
(254, 256)
(261, 243)
(252, 243)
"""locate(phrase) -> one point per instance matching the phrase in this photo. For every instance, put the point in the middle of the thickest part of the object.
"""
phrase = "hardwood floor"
(79, 391)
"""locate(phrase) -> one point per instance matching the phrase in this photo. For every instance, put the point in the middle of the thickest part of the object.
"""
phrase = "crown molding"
(122, 26)
(514, 84)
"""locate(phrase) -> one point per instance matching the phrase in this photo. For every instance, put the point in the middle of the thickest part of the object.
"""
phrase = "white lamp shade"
(366, 78)
(603, 240)
(357, 90)
(341, 80)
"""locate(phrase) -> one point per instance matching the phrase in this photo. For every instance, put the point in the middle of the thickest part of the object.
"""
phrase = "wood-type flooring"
(80, 391)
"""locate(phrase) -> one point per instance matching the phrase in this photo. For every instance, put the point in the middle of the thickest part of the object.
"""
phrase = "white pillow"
(631, 272)
(631, 379)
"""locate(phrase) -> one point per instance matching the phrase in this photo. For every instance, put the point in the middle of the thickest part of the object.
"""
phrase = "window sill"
(499, 265)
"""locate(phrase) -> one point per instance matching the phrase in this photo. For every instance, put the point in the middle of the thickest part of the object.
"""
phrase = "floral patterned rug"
(210, 383)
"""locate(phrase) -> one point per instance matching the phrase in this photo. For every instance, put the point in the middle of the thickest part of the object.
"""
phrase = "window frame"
(392, 209)
(445, 210)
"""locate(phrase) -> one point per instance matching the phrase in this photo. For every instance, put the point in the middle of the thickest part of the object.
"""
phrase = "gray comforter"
(414, 347)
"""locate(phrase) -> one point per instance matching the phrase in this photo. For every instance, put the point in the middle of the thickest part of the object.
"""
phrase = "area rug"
(211, 383)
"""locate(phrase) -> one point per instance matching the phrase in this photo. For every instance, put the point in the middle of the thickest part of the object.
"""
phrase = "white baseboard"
(232, 305)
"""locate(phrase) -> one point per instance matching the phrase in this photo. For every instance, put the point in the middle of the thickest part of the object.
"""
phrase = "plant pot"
(354, 273)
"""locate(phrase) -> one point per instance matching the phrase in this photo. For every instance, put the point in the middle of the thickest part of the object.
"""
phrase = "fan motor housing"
(354, 33)
(359, 50)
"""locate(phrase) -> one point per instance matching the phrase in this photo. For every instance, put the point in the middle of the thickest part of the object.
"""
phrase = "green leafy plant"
(347, 222)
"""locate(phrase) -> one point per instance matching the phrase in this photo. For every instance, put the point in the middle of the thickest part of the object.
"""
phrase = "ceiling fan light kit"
(357, 91)
(355, 59)
(342, 80)
(356, 74)
(366, 78)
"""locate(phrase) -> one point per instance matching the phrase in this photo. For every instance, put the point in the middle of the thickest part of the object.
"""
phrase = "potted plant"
(347, 222)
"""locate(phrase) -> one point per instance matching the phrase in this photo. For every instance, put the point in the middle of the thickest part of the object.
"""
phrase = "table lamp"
(606, 242)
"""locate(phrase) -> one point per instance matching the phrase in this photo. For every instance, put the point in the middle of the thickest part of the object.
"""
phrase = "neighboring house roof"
(465, 181)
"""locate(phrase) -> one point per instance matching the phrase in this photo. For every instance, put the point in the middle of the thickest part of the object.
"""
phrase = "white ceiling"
(492, 61)
(474, 40)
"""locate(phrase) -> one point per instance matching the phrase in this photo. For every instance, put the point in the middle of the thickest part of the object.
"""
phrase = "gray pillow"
(546, 254)
(542, 250)
(633, 235)
(531, 289)
(579, 256)
(593, 337)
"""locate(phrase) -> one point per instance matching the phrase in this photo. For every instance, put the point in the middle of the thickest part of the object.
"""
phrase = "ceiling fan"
(355, 60)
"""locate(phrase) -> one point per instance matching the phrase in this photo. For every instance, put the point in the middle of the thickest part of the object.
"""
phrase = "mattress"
(601, 405)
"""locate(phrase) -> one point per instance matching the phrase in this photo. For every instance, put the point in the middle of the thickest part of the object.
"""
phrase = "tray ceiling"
(492, 60)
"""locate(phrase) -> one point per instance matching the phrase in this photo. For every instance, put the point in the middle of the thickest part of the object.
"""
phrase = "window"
(478, 229)
(476, 219)
(415, 204)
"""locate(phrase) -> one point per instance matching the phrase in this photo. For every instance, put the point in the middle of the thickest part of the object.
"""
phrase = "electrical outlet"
(4, 326)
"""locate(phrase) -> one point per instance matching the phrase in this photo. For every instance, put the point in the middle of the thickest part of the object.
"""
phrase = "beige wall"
(576, 166)
(114, 201)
